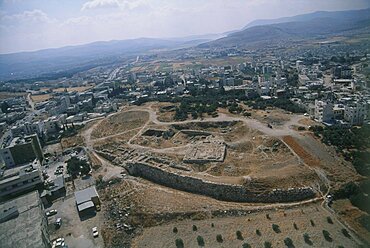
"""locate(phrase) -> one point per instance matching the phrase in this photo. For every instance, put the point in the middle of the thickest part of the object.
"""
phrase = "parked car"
(58, 222)
(51, 212)
(59, 242)
(95, 232)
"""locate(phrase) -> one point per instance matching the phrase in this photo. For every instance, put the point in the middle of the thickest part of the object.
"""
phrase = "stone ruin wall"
(224, 192)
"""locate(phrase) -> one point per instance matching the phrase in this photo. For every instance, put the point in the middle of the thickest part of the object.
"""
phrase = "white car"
(58, 222)
(59, 242)
(51, 212)
(95, 232)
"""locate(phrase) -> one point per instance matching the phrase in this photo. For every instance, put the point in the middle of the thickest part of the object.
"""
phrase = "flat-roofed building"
(87, 200)
(21, 151)
(23, 223)
(20, 179)
(355, 113)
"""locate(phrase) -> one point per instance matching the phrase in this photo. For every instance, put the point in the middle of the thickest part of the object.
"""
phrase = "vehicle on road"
(95, 232)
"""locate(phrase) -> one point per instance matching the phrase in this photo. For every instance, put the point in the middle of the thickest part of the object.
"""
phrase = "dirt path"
(108, 170)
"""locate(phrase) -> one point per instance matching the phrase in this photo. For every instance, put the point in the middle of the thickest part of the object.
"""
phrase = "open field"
(120, 122)
(165, 110)
(6, 95)
(41, 98)
(71, 89)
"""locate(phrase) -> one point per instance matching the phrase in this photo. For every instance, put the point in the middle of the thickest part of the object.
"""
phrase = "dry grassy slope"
(316, 154)
(120, 122)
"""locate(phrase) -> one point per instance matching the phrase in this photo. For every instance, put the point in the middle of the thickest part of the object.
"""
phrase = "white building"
(19, 179)
(28, 128)
(323, 111)
(355, 113)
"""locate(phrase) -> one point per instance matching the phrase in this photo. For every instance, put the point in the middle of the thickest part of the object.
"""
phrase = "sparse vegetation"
(195, 228)
(282, 103)
(258, 232)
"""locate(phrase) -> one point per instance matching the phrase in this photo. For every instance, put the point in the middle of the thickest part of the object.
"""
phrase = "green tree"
(179, 243)
(76, 166)
(276, 228)
(195, 228)
(330, 221)
(307, 239)
(219, 238)
(327, 236)
(239, 235)
(200, 241)
(4, 107)
(246, 245)
(289, 242)
(267, 244)
(346, 233)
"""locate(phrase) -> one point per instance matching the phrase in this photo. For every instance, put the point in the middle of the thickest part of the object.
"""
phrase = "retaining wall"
(225, 192)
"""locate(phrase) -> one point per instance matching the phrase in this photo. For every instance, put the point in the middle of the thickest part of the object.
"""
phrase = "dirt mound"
(301, 152)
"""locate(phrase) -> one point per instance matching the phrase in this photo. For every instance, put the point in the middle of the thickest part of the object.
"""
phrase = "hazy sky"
(36, 24)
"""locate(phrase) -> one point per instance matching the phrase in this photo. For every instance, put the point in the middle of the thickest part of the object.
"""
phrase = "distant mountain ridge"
(348, 14)
(36, 63)
(309, 26)
(72, 59)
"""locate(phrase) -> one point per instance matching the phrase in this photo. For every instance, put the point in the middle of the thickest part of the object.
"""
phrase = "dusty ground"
(280, 156)
(119, 123)
(72, 141)
(165, 110)
(77, 232)
(71, 89)
(6, 95)
(350, 215)
(41, 98)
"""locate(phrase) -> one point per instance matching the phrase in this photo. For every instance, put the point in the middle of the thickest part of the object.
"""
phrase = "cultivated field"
(272, 226)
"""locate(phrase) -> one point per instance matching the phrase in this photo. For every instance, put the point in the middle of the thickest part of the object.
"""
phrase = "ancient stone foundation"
(225, 192)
